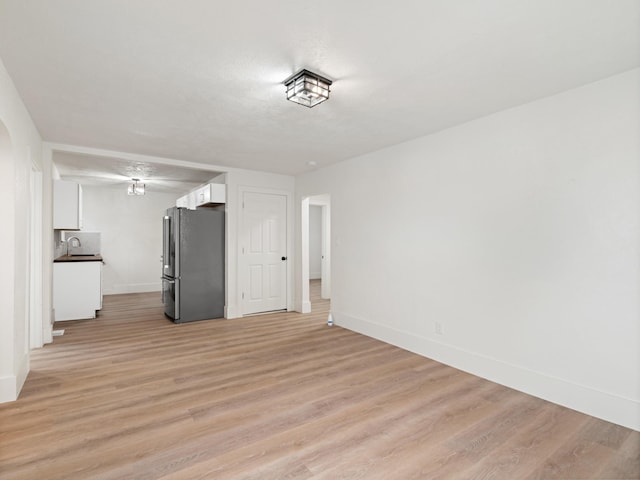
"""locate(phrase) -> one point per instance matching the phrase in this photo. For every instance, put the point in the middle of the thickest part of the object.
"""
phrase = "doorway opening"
(316, 250)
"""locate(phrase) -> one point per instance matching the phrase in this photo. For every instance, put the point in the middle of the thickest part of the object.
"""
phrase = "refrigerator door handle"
(177, 300)
(166, 231)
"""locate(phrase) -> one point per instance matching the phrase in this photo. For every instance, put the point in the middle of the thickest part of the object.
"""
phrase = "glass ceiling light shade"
(307, 88)
(136, 188)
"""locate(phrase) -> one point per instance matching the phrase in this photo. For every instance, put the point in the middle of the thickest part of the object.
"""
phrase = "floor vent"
(57, 333)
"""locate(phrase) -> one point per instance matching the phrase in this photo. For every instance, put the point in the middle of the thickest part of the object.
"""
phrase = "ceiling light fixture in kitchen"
(307, 88)
(136, 188)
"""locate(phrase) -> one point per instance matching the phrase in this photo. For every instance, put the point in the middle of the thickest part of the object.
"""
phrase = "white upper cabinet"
(67, 205)
(183, 201)
(187, 201)
(211, 193)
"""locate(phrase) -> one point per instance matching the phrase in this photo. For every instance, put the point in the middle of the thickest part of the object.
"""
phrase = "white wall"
(131, 228)
(20, 151)
(518, 233)
(315, 241)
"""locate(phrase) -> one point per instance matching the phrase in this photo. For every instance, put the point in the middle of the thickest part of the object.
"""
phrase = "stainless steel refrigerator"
(193, 264)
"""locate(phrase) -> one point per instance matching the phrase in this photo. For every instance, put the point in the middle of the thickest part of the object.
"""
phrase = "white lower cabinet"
(77, 290)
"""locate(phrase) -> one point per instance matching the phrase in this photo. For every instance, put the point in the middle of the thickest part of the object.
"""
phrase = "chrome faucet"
(69, 241)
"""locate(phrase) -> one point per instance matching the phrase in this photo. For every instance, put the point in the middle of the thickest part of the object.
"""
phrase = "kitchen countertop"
(79, 258)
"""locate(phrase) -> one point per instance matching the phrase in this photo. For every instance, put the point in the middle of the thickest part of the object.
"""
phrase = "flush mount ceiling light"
(136, 188)
(307, 88)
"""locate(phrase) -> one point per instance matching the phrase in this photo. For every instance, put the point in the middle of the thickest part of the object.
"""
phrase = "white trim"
(325, 274)
(23, 371)
(8, 388)
(303, 305)
(597, 403)
(36, 326)
(10, 385)
(47, 251)
(304, 257)
(231, 312)
(306, 307)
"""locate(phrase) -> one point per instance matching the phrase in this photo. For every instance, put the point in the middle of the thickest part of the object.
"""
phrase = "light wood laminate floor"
(130, 395)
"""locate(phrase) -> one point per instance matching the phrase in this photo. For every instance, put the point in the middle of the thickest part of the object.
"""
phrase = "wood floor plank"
(132, 395)
(625, 463)
(583, 455)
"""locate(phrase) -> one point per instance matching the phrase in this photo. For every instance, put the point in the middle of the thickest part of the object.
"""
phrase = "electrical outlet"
(439, 329)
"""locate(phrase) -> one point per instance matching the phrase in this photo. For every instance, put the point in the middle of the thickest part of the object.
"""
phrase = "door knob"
(284, 258)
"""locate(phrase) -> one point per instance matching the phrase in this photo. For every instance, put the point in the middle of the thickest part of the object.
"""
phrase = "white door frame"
(36, 327)
(289, 236)
(325, 276)
(305, 306)
(324, 201)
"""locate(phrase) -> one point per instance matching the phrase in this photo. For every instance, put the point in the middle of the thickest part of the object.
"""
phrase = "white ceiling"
(104, 171)
(201, 80)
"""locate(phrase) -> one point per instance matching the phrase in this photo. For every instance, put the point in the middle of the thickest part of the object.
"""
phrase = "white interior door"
(264, 252)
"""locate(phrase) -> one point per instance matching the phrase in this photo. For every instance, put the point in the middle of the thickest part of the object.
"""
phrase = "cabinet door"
(217, 193)
(67, 205)
(77, 290)
(202, 195)
(211, 193)
(183, 201)
(192, 201)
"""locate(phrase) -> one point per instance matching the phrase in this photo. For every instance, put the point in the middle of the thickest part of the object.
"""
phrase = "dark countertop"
(79, 258)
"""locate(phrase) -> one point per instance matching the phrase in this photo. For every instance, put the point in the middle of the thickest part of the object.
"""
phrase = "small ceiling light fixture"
(136, 188)
(307, 88)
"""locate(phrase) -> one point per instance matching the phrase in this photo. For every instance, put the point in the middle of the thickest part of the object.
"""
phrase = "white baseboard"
(8, 391)
(230, 311)
(306, 307)
(600, 404)
(22, 373)
(315, 276)
(47, 329)
(10, 385)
